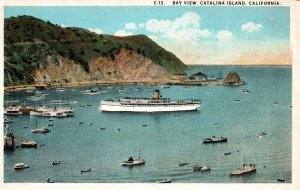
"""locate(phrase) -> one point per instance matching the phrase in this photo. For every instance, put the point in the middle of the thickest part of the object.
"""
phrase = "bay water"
(163, 139)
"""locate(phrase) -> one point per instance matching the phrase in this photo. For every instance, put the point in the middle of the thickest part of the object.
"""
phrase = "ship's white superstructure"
(156, 104)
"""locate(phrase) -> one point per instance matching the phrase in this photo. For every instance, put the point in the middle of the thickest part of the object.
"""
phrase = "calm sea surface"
(168, 138)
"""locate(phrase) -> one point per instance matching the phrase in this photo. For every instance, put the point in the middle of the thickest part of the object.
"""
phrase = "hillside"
(36, 51)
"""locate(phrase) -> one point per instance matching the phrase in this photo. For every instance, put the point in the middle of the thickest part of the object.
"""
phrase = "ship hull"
(145, 108)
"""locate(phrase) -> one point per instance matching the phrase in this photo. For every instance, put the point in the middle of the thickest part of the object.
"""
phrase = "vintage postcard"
(135, 94)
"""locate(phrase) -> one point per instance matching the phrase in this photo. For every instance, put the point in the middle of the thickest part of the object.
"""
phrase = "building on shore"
(197, 77)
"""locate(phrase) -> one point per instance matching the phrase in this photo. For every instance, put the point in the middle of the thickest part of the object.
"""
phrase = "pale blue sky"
(275, 20)
(208, 28)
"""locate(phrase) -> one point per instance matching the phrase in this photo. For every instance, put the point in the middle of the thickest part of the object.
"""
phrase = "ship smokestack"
(156, 95)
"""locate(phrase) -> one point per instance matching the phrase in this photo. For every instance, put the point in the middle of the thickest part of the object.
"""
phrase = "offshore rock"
(233, 79)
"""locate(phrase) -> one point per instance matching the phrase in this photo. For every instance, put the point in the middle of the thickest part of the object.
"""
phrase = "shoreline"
(121, 82)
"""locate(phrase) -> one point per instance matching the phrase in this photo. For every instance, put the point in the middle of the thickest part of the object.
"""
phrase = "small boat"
(214, 140)
(13, 111)
(48, 180)
(92, 91)
(246, 91)
(55, 162)
(227, 153)
(102, 128)
(85, 170)
(59, 102)
(41, 130)
(236, 100)
(144, 125)
(28, 144)
(60, 89)
(118, 130)
(89, 105)
(41, 144)
(169, 180)
(80, 123)
(200, 168)
(73, 102)
(8, 120)
(280, 180)
(132, 162)
(261, 134)
(247, 168)
(183, 163)
(36, 112)
(54, 114)
(19, 166)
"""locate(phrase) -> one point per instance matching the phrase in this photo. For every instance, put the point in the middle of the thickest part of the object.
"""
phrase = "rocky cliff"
(39, 52)
(233, 78)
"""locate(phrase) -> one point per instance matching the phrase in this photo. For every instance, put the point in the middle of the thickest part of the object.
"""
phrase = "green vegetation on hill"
(30, 43)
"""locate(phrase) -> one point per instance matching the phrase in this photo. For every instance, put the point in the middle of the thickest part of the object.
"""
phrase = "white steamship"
(155, 104)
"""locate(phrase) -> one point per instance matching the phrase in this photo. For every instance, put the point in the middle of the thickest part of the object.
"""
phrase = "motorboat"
(54, 114)
(169, 180)
(55, 162)
(28, 144)
(92, 91)
(59, 102)
(183, 163)
(8, 120)
(246, 168)
(19, 166)
(41, 130)
(197, 168)
(73, 102)
(132, 162)
(86, 170)
(280, 180)
(13, 111)
(261, 134)
(214, 139)
(49, 180)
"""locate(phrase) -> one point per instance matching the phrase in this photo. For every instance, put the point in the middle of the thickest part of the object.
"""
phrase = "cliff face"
(126, 66)
(36, 51)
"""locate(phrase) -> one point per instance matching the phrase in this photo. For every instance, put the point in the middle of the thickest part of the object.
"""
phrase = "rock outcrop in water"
(233, 78)
(39, 52)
